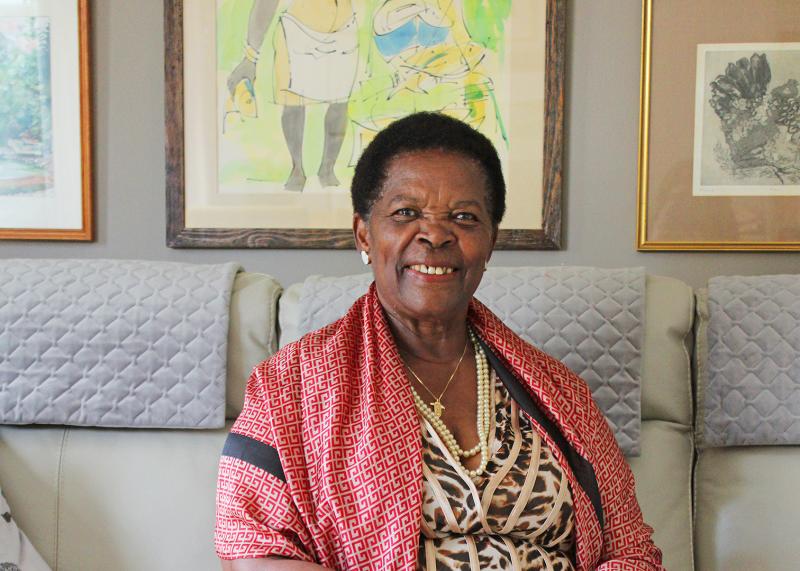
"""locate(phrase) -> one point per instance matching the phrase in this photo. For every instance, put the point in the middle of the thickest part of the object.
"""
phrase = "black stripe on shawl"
(583, 470)
(254, 452)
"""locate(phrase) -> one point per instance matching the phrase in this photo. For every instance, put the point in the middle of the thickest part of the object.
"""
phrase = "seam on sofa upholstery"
(272, 339)
(59, 487)
(54, 551)
(692, 506)
(693, 522)
(701, 364)
(687, 344)
(693, 388)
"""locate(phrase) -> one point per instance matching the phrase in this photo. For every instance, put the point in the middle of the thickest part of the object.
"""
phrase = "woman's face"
(429, 235)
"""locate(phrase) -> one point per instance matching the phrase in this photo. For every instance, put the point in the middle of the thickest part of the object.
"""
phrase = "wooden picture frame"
(719, 130)
(192, 134)
(46, 154)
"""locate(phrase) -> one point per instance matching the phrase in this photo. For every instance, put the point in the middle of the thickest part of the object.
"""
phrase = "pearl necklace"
(484, 416)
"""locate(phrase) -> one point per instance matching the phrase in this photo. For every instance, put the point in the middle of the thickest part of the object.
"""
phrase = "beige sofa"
(135, 499)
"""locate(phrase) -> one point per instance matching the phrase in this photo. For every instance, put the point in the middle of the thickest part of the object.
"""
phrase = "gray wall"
(600, 192)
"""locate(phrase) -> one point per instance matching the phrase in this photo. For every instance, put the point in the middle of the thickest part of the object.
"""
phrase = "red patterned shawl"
(326, 462)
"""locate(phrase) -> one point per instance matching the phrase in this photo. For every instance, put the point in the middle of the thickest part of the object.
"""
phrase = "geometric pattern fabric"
(114, 343)
(750, 380)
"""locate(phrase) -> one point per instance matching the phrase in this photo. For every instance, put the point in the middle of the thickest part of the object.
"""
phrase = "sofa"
(139, 498)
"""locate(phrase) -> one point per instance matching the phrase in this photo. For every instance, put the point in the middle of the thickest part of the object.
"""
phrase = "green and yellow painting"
(26, 136)
(308, 83)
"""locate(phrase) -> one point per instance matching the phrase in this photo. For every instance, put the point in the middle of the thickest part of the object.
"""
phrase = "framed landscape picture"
(45, 125)
(271, 102)
(719, 150)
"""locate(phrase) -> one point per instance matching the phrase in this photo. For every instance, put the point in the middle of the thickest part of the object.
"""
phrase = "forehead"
(435, 173)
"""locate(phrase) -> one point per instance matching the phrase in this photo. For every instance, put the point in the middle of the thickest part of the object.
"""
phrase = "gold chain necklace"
(484, 416)
(437, 402)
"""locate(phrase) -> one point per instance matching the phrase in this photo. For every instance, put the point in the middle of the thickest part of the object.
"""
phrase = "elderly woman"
(418, 431)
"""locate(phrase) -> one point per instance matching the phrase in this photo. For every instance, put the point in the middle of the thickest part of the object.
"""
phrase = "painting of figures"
(747, 126)
(270, 104)
(26, 133)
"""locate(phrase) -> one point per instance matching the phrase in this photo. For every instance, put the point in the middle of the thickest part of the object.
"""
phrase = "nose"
(434, 233)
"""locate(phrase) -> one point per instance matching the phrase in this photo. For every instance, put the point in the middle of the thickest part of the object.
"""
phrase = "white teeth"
(432, 270)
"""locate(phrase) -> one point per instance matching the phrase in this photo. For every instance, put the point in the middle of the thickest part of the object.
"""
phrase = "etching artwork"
(750, 127)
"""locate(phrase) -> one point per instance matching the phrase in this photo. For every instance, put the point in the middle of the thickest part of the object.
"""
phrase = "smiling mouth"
(432, 270)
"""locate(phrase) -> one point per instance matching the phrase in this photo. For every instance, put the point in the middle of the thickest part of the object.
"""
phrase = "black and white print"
(747, 120)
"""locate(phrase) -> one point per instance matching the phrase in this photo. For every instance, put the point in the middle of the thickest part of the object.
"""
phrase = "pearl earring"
(365, 258)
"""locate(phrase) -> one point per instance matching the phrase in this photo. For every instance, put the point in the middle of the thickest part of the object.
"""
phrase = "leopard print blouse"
(516, 515)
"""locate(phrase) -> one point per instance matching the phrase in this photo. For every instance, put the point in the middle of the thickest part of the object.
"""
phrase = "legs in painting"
(315, 61)
(293, 121)
(335, 125)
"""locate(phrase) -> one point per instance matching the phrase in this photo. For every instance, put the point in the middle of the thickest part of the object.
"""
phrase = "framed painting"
(45, 121)
(719, 144)
(269, 104)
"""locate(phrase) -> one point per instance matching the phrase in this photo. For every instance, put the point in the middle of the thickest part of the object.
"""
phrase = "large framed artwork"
(45, 120)
(719, 146)
(269, 104)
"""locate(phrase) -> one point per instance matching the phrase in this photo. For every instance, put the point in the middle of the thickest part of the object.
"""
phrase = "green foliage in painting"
(25, 80)
(485, 20)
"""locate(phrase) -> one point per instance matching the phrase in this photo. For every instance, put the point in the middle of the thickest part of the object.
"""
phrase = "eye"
(465, 217)
(405, 213)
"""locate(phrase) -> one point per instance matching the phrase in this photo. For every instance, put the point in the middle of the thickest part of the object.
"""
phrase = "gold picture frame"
(719, 154)
(202, 212)
(46, 153)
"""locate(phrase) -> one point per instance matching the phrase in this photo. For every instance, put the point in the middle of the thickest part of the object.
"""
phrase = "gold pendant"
(437, 408)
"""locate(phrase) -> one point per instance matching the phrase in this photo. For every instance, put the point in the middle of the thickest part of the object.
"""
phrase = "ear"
(361, 233)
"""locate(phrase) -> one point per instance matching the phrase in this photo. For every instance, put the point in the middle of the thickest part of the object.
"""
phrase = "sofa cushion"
(747, 508)
(113, 342)
(95, 499)
(748, 354)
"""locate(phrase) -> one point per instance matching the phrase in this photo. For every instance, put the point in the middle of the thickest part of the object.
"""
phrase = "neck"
(434, 341)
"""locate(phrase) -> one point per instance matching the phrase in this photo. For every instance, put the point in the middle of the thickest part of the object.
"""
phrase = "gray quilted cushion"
(113, 343)
(591, 319)
(749, 386)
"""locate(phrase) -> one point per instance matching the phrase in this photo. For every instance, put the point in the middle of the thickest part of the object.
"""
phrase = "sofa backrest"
(136, 498)
(748, 400)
